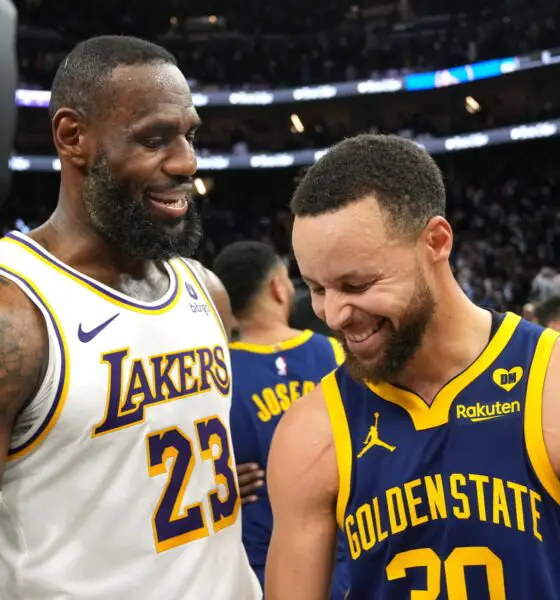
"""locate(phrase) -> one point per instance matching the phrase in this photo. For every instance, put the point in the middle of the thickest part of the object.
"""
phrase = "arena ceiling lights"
(221, 162)
(403, 82)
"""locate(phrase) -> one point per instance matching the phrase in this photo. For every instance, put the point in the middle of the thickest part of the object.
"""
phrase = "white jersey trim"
(48, 402)
(165, 303)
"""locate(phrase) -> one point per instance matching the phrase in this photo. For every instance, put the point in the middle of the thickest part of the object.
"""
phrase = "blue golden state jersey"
(457, 499)
(267, 380)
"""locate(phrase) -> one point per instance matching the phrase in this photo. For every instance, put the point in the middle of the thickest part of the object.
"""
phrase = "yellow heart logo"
(507, 380)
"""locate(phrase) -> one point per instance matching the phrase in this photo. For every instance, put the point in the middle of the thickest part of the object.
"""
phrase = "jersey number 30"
(454, 569)
(174, 525)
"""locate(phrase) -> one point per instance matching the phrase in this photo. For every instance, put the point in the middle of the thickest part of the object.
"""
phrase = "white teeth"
(365, 336)
(361, 338)
(170, 201)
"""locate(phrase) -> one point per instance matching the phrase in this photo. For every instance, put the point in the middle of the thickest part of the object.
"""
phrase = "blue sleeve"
(243, 431)
(332, 352)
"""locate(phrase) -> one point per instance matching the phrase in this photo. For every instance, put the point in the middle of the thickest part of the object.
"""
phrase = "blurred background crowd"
(503, 200)
(248, 43)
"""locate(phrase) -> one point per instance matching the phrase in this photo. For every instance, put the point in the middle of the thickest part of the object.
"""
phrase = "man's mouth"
(358, 338)
(172, 203)
(174, 200)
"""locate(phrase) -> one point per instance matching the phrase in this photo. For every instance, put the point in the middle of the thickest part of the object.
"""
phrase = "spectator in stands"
(546, 284)
(547, 313)
(260, 45)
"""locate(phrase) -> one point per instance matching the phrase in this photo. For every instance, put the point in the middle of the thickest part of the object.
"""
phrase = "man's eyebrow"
(163, 123)
(308, 280)
(348, 275)
(340, 278)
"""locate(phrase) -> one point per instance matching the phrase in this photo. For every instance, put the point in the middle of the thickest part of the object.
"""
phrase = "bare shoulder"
(210, 279)
(303, 489)
(197, 266)
(551, 408)
(302, 455)
(23, 354)
(23, 340)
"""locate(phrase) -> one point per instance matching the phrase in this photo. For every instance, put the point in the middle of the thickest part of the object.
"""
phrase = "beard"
(127, 224)
(401, 344)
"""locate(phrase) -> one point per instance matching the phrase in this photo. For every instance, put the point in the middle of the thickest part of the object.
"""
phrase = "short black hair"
(81, 79)
(243, 268)
(548, 310)
(404, 179)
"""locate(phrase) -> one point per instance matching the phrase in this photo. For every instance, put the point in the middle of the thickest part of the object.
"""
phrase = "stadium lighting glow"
(471, 105)
(200, 186)
(296, 122)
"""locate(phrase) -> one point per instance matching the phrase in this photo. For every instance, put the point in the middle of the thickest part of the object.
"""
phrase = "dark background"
(503, 200)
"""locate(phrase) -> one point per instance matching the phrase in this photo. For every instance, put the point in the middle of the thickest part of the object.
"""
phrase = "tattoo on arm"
(11, 354)
(23, 347)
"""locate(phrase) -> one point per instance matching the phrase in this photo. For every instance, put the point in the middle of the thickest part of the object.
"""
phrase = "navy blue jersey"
(458, 499)
(266, 381)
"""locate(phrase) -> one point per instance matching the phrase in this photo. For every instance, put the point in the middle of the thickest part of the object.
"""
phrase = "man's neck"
(66, 237)
(88, 253)
(456, 336)
(265, 329)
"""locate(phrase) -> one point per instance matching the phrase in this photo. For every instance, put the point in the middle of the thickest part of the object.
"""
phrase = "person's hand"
(251, 478)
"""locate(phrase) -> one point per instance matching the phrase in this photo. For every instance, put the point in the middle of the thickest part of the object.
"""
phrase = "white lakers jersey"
(121, 480)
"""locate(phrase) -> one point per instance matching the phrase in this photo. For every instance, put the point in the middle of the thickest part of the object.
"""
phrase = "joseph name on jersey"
(121, 478)
(268, 379)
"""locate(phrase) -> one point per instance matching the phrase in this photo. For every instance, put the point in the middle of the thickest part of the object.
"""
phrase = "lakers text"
(134, 384)
(486, 499)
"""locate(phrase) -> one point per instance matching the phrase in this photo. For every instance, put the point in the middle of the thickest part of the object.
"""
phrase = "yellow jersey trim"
(533, 424)
(294, 342)
(52, 417)
(342, 442)
(339, 355)
(425, 416)
(113, 296)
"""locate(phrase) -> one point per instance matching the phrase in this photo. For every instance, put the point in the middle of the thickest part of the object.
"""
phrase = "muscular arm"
(23, 352)
(303, 486)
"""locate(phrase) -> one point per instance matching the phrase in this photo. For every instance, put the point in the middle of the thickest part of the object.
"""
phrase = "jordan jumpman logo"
(373, 439)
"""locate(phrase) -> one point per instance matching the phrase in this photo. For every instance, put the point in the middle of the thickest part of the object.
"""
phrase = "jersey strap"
(534, 438)
(342, 442)
(427, 416)
(44, 426)
(338, 351)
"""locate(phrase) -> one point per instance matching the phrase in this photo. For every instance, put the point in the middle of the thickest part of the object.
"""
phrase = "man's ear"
(69, 130)
(438, 236)
(277, 289)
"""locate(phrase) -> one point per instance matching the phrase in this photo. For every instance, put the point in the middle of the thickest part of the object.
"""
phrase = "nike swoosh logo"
(87, 336)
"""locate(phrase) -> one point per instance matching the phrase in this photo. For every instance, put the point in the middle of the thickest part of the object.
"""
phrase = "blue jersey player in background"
(436, 446)
(272, 365)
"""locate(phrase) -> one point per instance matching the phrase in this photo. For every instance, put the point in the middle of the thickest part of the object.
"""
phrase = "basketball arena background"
(474, 82)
